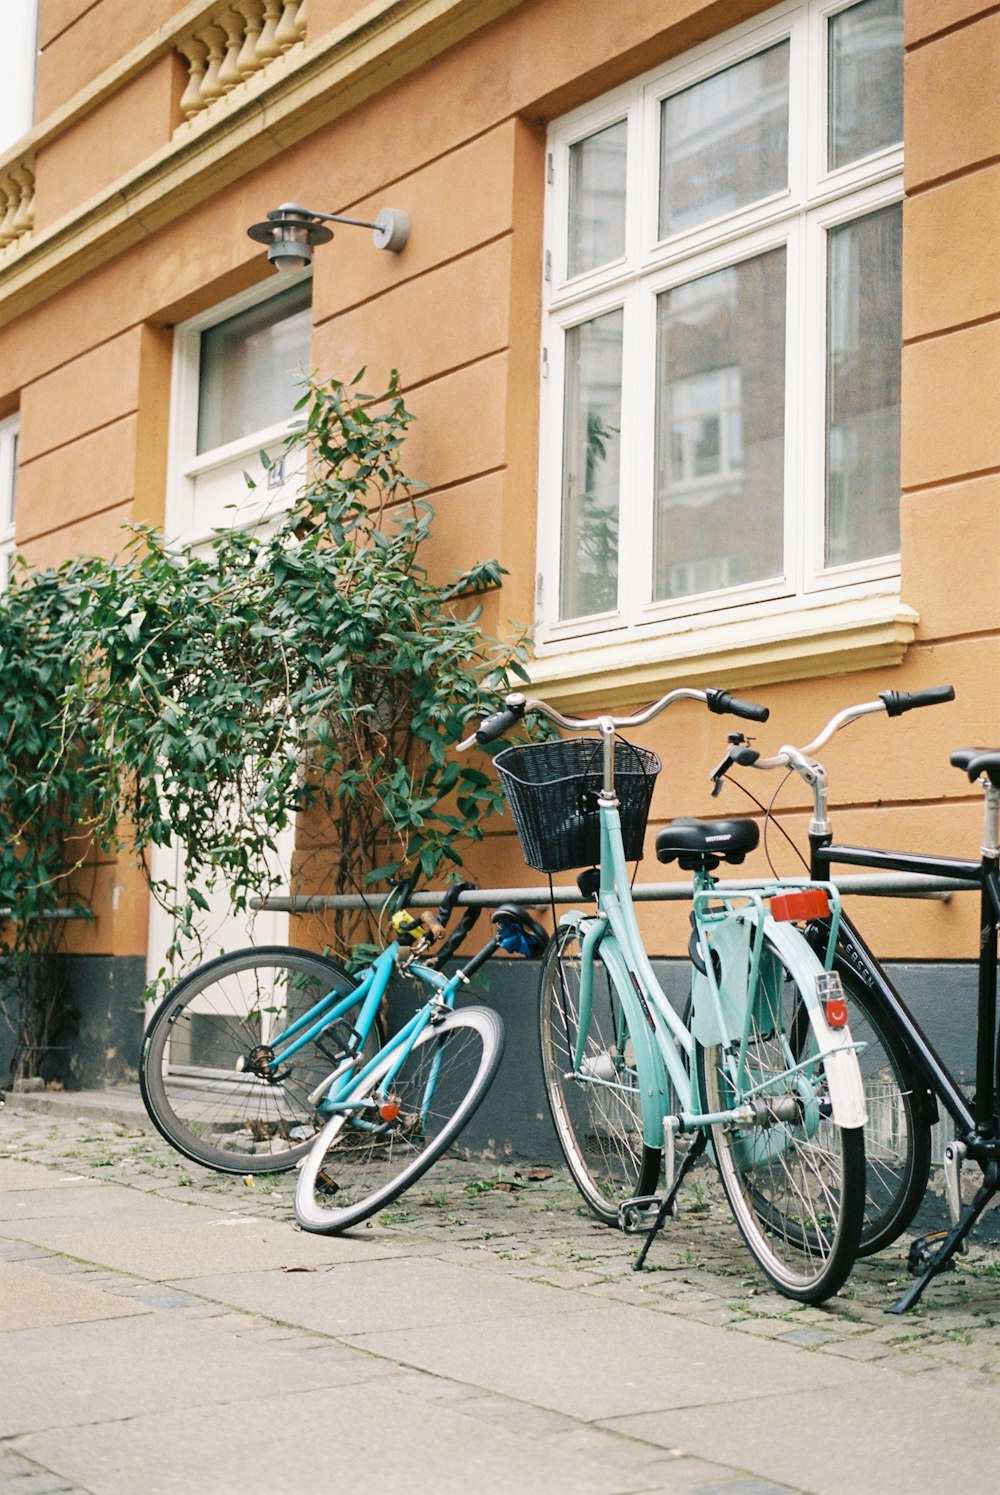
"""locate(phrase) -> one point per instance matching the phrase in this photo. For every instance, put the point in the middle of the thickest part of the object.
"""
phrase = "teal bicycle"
(272, 1058)
(761, 1066)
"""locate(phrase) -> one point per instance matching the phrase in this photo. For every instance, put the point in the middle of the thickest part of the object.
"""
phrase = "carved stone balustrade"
(17, 201)
(236, 43)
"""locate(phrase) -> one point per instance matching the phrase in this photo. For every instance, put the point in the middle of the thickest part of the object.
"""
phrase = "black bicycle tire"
(633, 1168)
(322, 1220)
(764, 1226)
(153, 1087)
(885, 1221)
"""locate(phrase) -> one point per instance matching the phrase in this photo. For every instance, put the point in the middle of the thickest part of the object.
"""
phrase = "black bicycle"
(905, 1077)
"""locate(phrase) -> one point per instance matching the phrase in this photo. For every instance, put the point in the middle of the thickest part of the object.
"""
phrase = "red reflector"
(836, 1012)
(809, 903)
(389, 1110)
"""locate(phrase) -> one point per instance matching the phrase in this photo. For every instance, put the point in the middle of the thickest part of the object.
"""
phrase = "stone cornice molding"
(274, 109)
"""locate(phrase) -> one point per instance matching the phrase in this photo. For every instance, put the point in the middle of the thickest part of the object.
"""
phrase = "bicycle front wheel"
(407, 1119)
(206, 1075)
(794, 1179)
(596, 1110)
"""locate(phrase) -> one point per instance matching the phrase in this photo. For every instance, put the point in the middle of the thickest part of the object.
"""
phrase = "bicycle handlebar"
(516, 706)
(892, 702)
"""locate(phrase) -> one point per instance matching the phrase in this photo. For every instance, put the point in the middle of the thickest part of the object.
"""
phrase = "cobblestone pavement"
(530, 1223)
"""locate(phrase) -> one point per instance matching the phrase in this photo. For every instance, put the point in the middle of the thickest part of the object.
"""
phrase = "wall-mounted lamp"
(291, 231)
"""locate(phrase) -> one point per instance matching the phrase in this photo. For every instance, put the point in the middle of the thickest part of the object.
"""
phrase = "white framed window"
(8, 495)
(20, 46)
(238, 373)
(722, 335)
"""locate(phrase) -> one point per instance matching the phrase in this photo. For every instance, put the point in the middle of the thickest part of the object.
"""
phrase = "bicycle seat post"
(991, 821)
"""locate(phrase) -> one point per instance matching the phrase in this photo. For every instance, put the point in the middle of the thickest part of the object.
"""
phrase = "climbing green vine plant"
(309, 671)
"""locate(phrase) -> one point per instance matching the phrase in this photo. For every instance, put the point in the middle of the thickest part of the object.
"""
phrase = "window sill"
(834, 638)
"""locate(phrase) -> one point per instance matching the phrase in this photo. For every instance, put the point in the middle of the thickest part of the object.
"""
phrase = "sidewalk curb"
(124, 1106)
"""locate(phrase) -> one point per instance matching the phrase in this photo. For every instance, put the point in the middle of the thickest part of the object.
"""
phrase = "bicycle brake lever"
(735, 740)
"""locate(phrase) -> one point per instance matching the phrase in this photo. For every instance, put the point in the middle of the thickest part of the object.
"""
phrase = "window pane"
(720, 429)
(597, 199)
(866, 80)
(251, 368)
(864, 350)
(8, 482)
(724, 142)
(591, 434)
(20, 52)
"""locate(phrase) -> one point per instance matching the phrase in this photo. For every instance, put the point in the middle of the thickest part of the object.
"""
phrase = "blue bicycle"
(273, 1057)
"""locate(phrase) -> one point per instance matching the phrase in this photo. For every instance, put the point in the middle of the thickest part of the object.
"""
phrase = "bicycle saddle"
(977, 761)
(706, 843)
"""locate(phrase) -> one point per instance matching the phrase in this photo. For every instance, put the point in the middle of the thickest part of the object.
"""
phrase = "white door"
(237, 376)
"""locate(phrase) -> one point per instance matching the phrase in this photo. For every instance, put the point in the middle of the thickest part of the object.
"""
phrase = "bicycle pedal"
(923, 1251)
(639, 1215)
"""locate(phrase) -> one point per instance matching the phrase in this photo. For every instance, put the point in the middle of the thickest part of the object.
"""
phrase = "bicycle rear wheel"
(597, 1112)
(205, 1075)
(794, 1179)
(897, 1136)
(360, 1163)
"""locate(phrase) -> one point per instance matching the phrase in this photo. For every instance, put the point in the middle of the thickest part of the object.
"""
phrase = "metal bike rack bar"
(878, 885)
(52, 913)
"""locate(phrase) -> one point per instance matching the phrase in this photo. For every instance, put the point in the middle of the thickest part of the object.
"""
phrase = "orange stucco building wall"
(440, 108)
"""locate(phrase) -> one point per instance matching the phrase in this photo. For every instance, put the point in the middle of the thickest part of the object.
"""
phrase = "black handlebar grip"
(500, 722)
(898, 701)
(722, 703)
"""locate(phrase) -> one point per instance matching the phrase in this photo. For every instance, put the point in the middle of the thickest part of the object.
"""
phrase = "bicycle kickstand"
(698, 1144)
(952, 1241)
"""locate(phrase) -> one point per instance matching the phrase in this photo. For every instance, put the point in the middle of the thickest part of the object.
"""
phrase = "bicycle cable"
(767, 812)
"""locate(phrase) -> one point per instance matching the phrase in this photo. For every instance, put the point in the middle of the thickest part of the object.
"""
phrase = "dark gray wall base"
(100, 1043)
(107, 991)
(97, 1039)
(513, 1123)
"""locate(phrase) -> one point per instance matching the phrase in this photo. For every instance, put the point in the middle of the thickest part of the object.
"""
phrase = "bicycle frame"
(329, 1009)
(976, 1124)
(341, 1087)
(332, 1095)
(720, 1011)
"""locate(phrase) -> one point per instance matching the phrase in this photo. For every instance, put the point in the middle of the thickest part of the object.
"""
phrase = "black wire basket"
(552, 790)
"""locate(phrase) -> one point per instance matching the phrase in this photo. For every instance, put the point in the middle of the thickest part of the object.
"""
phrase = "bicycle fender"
(847, 1095)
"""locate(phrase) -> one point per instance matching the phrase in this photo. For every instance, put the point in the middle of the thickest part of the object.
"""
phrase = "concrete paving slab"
(882, 1437)
(112, 1371)
(32, 1299)
(533, 1305)
(370, 1295)
(183, 1244)
(600, 1361)
(328, 1439)
(17, 1175)
(73, 1203)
